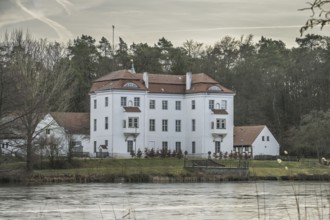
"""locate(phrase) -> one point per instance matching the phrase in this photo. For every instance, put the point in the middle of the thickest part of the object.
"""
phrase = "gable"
(246, 135)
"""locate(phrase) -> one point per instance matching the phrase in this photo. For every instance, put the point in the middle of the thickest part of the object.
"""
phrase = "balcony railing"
(102, 154)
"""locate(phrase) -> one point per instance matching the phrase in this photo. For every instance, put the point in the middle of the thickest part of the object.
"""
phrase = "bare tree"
(320, 14)
(49, 146)
(38, 72)
(193, 48)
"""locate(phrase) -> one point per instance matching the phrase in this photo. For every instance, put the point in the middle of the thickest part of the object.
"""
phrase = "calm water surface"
(239, 200)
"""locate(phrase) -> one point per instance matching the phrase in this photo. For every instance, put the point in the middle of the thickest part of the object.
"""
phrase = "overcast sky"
(145, 21)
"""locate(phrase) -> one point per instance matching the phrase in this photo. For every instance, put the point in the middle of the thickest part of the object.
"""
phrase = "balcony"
(219, 133)
(131, 132)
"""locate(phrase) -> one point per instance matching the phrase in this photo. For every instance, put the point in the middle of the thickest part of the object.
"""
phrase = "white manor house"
(131, 111)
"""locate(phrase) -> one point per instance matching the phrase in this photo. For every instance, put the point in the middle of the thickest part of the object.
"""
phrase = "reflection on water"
(238, 200)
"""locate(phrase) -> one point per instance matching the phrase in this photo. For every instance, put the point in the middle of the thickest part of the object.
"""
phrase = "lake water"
(231, 200)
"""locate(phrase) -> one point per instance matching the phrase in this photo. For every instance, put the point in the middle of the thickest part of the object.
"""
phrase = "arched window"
(130, 85)
(214, 88)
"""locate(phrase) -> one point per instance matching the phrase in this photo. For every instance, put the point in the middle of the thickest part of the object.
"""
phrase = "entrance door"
(129, 146)
(217, 148)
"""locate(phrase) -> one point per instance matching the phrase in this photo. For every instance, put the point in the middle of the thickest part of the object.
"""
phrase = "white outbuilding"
(255, 140)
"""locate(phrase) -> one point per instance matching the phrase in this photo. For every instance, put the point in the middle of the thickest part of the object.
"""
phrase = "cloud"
(61, 31)
(66, 5)
(226, 28)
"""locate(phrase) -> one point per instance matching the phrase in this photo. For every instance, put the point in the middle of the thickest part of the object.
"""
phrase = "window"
(177, 105)
(267, 138)
(193, 124)
(106, 142)
(95, 124)
(123, 101)
(47, 131)
(164, 125)
(211, 104)
(136, 101)
(106, 123)
(94, 146)
(124, 123)
(263, 138)
(214, 88)
(224, 104)
(221, 123)
(177, 146)
(133, 122)
(152, 123)
(152, 104)
(193, 104)
(217, 147)
(106, 102)
(129, 146)
(164, 146)
(130, 85)
(164, 104)
(178, 125)
(76, 143)
(193, 147)
(95, 103)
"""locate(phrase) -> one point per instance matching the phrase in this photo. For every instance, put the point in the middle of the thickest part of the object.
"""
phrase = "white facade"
(51, 132)
(159, 119)
(255, 140)
(265, 144)
(12, 146)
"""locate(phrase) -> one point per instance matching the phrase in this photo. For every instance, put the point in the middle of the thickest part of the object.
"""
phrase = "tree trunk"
(29, 155)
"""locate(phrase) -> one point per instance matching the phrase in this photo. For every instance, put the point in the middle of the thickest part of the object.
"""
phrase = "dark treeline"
(286, 89)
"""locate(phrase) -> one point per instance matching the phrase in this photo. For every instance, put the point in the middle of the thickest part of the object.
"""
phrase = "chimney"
(146, 79)
(132, 69)
(188, 80)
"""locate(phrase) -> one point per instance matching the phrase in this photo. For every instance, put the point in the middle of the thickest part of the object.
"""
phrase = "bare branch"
(323, 17)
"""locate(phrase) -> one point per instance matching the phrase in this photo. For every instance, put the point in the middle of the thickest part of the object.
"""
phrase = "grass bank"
(264, 168)
(156, 170)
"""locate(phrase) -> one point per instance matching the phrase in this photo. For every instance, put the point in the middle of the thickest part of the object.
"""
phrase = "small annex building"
(12, 138)
(255, 140)
(62, 129)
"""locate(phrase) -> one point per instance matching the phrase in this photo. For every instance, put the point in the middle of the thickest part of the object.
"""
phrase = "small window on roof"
(130, 85)
(214, 88)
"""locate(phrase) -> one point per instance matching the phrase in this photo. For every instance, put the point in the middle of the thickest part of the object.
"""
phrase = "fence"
(102, 154)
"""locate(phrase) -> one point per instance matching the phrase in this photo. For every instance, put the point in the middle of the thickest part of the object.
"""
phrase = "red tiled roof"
(132, 109)
(158, 83)
(220, 111)
(202, 78)
(246, 135)
(117, 75)
(104, 147)
(164, 78)
(74, 122)
(116, 84)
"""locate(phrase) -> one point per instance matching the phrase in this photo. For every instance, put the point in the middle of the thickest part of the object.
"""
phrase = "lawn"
(287, 168)
(171, 167)
(122, 167)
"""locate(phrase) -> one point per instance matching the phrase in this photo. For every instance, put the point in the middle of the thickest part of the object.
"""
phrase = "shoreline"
(37, 179)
